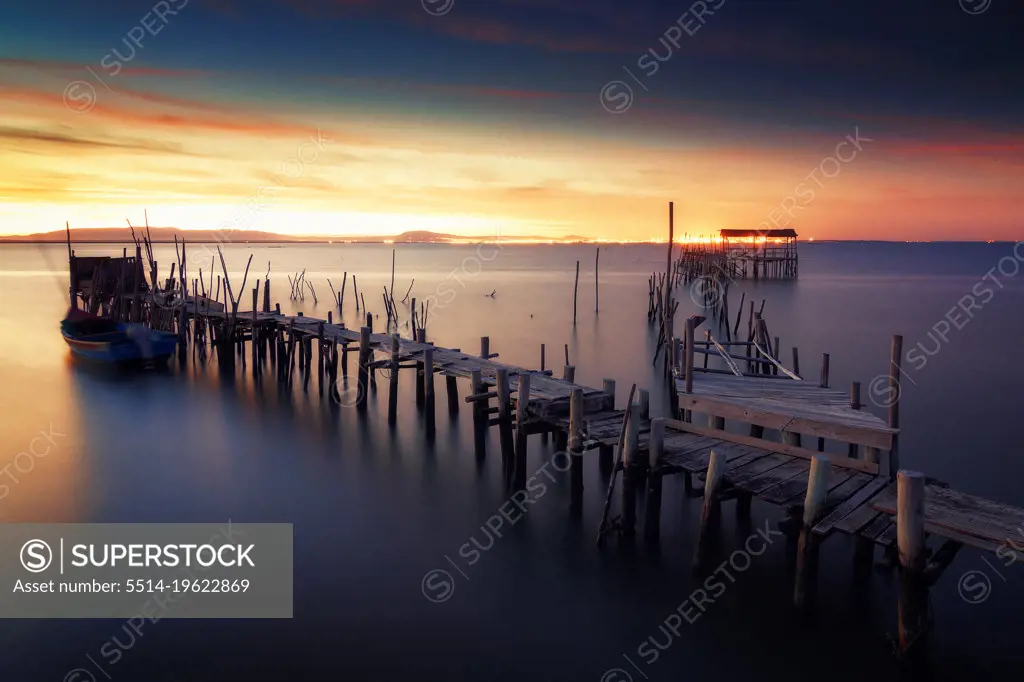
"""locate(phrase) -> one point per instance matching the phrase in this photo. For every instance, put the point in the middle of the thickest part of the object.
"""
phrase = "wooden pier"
(834, 467)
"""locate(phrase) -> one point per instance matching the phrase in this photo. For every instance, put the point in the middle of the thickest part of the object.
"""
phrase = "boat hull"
(125, 346)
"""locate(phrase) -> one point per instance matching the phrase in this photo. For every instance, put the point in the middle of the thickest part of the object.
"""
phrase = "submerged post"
(393, 379)
(575, 292)
(479, 417)
(712, 508)
(895, 368)
(364, 371)
(652, 513)
(522, 412)
(505, 423)
(631, 467)
(577, 428)
(428, 381)
(910, 540)
(807, 548)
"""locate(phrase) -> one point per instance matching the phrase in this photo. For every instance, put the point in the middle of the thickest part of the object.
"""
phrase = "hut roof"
(788, 232)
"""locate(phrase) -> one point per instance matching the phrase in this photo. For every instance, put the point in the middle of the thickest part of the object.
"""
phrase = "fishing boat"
(101, 340)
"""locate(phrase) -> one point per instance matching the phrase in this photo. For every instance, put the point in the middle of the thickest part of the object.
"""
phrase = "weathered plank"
(781, 448)
(854, 513)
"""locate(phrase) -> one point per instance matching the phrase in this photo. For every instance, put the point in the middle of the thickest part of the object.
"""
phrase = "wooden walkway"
(549, 396)
(786, 405)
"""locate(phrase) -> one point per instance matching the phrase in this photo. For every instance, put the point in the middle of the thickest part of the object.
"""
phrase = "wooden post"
(652, 513)
(630, 472)
(807, 549)
(421, 388)
(364, 372)
(689, 354)
(910, 540)
(575, 293)
(668, 276)
(577, 429)
(824, 384)
(597, 291)
(476, 385)
(712, 507)
(485, 347)
(854, 405)
(569, 374)
(522, 412)
(451, 385)
(796, 361)
(542, 368)
(255, 341)
(609, 389)
(393, 379)
(428, 379)
(505, 423)
(895, 369)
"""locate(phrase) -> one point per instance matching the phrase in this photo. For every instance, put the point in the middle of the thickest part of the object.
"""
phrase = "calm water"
(375, 509)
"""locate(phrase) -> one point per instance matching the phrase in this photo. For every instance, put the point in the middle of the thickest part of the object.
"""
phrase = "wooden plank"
(962, 513)
(793, 490)
(753, 454)
(888, 536)
(781, 448)
(676, 454)
(777, 475)
(760, 415)
(877, 526)
(851, 485)
(848, 517)
(698, 462)
(739, 477)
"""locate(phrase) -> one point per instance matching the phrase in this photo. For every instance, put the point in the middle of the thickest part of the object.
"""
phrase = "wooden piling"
(597, 292)
(631, 468)
(364, 372)
(690, 323)
(428, 380)
(569, 373)
(485, 347)
(910, 541)
(451, 385)
(577, 430)
(522, 413)
(711, 509)
(895, 370)
(652, 511)
(608, 388)
(575, 293)
(807, 548)
(505, 437)
(479, 418)
(852, 450)
(393, 379)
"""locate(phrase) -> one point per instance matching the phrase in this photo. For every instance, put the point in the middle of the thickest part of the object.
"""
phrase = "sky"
(846, 119)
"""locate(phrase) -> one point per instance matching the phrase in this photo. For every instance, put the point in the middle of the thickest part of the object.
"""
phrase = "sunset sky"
(532, 117)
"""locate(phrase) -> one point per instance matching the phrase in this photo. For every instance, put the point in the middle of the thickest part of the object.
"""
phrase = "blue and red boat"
(98, 339)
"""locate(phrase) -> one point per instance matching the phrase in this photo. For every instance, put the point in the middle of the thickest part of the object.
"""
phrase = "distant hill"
(161, 235)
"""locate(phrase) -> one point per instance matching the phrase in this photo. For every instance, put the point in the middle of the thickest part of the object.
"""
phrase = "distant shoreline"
(509, 242)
